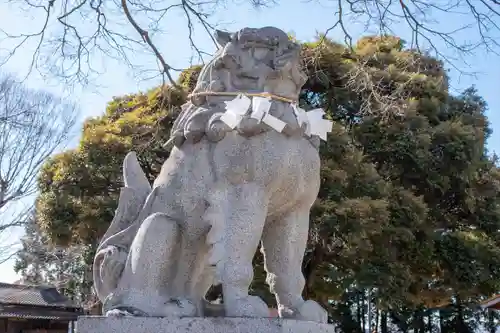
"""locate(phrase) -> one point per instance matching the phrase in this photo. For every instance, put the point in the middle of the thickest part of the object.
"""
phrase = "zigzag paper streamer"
(319, 126)
(235, 110)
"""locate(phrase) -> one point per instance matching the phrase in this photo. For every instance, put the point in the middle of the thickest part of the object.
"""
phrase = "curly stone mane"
(250, 61)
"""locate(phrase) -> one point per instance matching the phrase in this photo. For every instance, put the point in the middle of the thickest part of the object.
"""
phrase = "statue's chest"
(269, 159)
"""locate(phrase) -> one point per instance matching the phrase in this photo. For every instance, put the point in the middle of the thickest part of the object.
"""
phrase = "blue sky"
(303, 18)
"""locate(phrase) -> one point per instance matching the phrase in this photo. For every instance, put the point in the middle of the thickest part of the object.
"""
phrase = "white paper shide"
(237, 108)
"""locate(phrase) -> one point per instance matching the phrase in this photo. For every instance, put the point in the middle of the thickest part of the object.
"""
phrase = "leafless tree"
(33, 125)
(479, 18)
(73, 33)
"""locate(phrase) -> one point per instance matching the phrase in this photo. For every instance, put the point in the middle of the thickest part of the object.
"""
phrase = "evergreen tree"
(407, 217)
(30, 259)
(67, 268)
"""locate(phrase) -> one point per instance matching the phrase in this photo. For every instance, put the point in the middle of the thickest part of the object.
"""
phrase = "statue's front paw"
(250, 306)
(125, 312)
(118, 313)
(310, 311)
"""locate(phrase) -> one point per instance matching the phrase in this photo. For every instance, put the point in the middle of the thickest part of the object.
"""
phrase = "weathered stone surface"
(198, 325)
(224, 190)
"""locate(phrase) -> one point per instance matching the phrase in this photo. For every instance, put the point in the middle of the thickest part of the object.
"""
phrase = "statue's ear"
(222, 37)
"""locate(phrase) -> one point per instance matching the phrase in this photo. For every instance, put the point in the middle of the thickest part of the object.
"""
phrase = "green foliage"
(189, 77)
(408, 207)
(79, 188)
(66, 268)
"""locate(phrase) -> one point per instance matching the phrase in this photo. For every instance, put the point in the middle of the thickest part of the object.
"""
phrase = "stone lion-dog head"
(250, 61)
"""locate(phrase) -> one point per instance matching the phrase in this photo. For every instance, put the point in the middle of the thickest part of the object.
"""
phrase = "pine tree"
(41, 263)
(29, 259)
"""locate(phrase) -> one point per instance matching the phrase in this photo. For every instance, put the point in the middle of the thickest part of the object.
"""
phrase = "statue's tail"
(135, 198)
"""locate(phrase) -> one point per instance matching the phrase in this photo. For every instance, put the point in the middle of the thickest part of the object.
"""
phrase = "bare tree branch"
(77, 34)
(482, 18)
(145, 36)
(74, 35)
(33, 124)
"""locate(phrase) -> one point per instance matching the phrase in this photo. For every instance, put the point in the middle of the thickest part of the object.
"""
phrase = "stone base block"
(197, 325)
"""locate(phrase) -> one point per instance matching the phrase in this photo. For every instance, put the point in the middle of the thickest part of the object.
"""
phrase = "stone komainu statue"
(244, 169)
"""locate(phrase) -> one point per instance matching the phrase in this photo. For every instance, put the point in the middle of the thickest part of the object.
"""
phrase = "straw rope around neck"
(236, 93)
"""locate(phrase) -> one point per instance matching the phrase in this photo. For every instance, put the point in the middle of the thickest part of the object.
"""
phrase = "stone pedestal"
(197, 325)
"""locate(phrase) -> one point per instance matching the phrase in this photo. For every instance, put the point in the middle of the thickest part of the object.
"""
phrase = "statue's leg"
(246, 210)
(191, 252)
(284, 243)
(144, 287)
